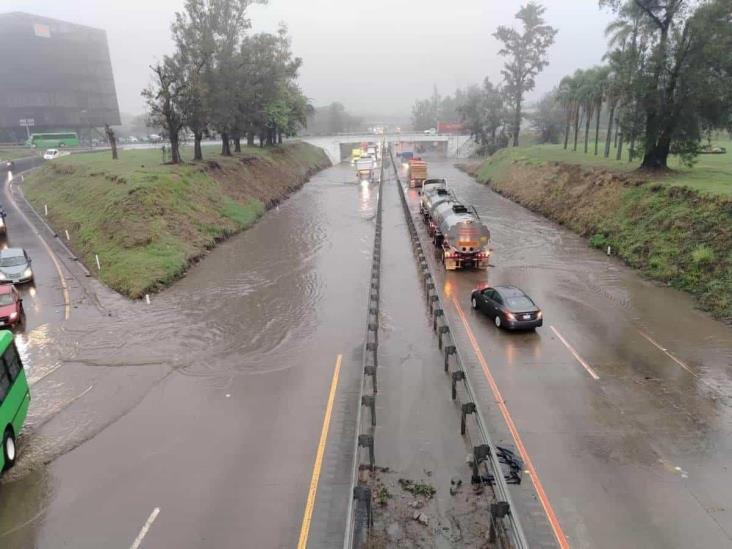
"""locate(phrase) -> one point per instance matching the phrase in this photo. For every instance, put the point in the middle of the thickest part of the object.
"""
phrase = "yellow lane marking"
(64, 287)
(575, 354)
(310, 505)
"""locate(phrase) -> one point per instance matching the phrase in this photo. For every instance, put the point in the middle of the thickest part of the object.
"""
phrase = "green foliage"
(526, 57)
(702, 255)
(417, 488)
(598, 240)
(383, 495)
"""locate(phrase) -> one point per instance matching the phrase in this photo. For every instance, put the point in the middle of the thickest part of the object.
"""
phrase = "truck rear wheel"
(9, 449)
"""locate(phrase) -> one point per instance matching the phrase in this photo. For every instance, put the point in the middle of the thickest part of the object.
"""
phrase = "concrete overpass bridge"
(338, 147)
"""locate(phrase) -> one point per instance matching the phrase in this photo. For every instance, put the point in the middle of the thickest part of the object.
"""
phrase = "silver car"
(15, 266)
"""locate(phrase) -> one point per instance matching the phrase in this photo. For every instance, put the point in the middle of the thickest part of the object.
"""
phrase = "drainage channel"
(411, 484)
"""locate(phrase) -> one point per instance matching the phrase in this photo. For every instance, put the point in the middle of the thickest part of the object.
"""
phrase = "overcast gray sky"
(376, 56)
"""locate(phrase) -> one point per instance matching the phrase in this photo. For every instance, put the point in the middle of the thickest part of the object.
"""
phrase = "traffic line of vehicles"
(365, 160)
(15, 268)
(463, 242)
(456, 229)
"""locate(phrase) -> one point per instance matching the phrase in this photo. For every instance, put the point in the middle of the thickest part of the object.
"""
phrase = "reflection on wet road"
(207, 403)
(636, 455)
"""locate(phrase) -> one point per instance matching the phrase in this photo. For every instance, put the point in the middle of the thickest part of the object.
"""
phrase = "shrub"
(702, 255)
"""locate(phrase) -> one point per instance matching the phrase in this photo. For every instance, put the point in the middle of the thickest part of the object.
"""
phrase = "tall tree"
(165, 100)
(549, 118)
(684, 74)
(526, 53)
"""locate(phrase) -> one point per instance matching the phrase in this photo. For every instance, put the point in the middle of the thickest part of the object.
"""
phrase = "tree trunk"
(597, 127)
(567, 127)
(517, 121)
(174, 148)
(609, 129)
(250, 139)
(631, 147)
(225, 144)
(197, 150)
(617, 131)
(657, 157)
(262, 139)
(619, 137)
(279, 138)
(588, 120)
(237, 143)
(576, 126)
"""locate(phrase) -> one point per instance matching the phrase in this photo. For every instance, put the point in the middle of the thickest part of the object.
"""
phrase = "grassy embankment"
(148, 221)
(676, 228)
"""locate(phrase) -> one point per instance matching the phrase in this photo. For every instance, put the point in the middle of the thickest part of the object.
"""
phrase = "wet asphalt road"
(208, 404)
(638, 457)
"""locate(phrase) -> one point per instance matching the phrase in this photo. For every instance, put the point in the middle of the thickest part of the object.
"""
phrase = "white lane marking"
(145, 527)
(576, 355)
(664, 351)
(32, 382)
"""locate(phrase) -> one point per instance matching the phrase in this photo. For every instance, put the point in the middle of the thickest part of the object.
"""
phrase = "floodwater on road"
(639, 456)
(207, 403)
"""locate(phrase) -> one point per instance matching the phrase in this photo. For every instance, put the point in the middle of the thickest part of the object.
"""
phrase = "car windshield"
(12, 261)
(6, 299)
(520, 302)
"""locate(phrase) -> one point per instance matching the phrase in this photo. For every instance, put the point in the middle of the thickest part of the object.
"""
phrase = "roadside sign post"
(27, 123)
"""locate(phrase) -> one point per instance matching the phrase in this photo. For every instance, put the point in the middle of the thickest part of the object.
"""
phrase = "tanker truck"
(460, 235)
(430, 199)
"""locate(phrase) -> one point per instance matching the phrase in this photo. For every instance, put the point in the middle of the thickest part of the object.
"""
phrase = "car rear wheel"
(474, 303)
(498, 321)
(9, 450)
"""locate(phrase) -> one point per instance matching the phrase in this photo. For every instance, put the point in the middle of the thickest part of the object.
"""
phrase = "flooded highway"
(206, 404)
(201, 412)
(623, 399)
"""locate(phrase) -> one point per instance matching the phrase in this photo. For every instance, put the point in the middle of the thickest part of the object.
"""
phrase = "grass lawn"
(712, 173)
(147, 220)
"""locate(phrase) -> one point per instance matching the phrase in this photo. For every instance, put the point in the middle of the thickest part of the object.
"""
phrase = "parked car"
(431, 131)
(11, 306)
(51, 154)
(508, 306)
(15, 266)
(7, 165)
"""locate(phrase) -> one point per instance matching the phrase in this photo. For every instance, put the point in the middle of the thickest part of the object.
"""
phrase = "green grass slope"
(676, 229)
(147, 221)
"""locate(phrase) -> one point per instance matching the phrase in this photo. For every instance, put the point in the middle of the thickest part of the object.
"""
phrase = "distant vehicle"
(365, 168)
(15, 266)
(431, 131)
(508, 306)
(11, 306)
(53, 140)
(406, 156)
(3, 227)
(417, 172)
(355, 155)
(8, 165)
(154, 138)
(51, 154)
(14, 398)
(132, 139)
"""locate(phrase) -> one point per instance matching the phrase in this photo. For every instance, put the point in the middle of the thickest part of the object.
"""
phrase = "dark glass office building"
(56, 73)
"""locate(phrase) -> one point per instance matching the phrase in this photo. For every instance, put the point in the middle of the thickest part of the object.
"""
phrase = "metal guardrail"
(488, 460)
(359, 518)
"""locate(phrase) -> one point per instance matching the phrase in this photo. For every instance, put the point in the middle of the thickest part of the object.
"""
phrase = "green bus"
(14, 398)
(56, 140)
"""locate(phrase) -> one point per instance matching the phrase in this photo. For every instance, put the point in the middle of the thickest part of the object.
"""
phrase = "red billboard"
(454, 128)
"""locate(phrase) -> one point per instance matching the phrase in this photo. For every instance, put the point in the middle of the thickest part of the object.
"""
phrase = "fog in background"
(375, 57)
